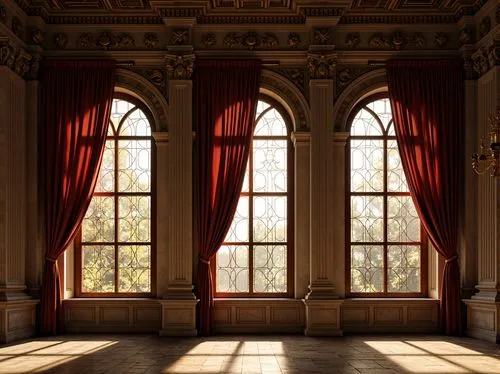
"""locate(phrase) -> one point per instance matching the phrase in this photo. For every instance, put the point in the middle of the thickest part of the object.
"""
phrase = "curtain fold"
(76, 102)
(427, 101)
(225, 101)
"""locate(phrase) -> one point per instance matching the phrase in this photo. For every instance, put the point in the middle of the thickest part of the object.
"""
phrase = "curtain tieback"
(50, 260)
(205, 261)
(452, 258)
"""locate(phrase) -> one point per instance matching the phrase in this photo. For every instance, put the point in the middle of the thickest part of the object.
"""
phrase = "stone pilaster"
(322, 304)
(302, 144)
(483, 309)
(179, 306)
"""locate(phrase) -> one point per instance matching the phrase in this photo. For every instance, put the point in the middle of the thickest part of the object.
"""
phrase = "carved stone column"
(17, 310)
(179, 312)
(322, 304)
(302, 141)
(483, 309)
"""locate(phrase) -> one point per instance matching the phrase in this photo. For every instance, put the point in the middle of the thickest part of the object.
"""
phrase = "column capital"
(180, 67)
(301, 138)
(321, 65)
(339, 138)
(161, 137)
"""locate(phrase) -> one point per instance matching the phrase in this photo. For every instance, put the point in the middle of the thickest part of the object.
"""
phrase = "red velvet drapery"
(427, 101)
(225, 101)
(76, 98)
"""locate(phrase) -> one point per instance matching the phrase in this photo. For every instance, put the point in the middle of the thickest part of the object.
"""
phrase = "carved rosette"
(321, 66)
(180, 67)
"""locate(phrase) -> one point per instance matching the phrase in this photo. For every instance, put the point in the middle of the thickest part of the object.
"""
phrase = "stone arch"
(288, 95)
(367, 84)
(137, 86)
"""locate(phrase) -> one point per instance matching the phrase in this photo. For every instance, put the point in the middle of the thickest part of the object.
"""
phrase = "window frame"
(290, 194)
(153, 212)
(385, 194)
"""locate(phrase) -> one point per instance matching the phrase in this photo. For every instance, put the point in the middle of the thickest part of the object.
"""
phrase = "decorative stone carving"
(250, 40)
(233, 39)
(440, 39)
(60, 40)
(398, 41)
(321, 35)
(484, 26)
(270, 40)
(352, 40)
(180, 66)
(151, 40)
(86, 40)
(155, 76)
(15, 58)
(3, 14)
(469, 71)
(295, 75)
(125, 41)
(321, 66)
(465, 36)
(17, 27)
(346, 75)
(37, 36)
(106, 40)
(486, 58)
(179, 37)
(208, 40)
(294, 40)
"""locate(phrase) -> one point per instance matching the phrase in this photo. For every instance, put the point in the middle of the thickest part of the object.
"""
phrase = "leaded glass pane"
(271, 124)
(365, 124)
(134, 219)
(396, 181)
(134, 165)
(403, 268)
(98, 268)
(367, 268)
(367, 165)
(99, 222)
(118, 109)
(261, 106)
(136, 124)
(403, 224)
(232, 269)
(382, 108)
(269, 165)
(106, 178)
(134, 268)
(269, 264)
(238, 232)
(367, 218)
(269, 221)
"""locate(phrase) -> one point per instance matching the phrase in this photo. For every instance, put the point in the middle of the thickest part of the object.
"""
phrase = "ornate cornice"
(321, 66)
(18, 60)
(398, 19)
(232, 20)
(180, 67)
(104, 19)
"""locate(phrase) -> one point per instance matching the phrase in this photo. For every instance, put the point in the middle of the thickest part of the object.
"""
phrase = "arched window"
(115, 250)
(257, 255)
(385, 248)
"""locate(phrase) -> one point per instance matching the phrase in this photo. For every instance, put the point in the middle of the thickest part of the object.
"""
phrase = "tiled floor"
(250, 354)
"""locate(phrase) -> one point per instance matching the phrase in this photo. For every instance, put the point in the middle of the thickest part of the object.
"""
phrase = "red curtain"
(76, 99)
(225, 101)
(427, 100)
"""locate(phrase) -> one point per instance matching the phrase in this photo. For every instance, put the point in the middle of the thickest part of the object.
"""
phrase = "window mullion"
(386, 280)
(116, 213)
(250, 220)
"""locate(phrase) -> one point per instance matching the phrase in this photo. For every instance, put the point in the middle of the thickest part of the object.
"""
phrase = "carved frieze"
(295, 75)
(345, 75)
(17, 27)
(180, 66)
(352, 40)
(469, 70)
(486, 58)
(208, 40)
(17, 59)
(484, 26)
(155, 76)
(321, 35)
(37, 36)
(465, 36)
(151, 40)
(440, 39)
(397, 41)
(60, 40)
(106, 41)
(179, 37)
(294, 40)
(321, 66)
(250, 40)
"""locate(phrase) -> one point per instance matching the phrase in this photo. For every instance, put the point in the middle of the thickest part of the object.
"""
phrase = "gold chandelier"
(488, 158)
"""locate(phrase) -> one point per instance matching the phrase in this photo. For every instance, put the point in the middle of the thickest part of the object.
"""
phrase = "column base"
(483, 317)
(17, 320)
(178, 318)
(323, 317)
